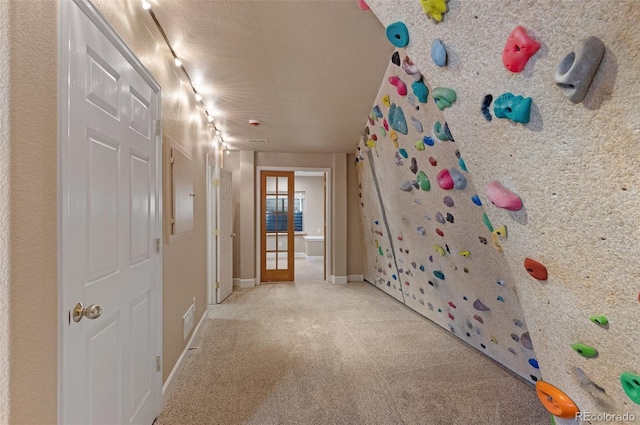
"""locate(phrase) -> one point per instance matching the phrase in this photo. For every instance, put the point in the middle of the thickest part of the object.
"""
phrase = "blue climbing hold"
(515, 108)
(403, 152)
(421, 267)
(398, 34)
(438, 53)
(377, 112)
(500, 298)
(462, 165)
(428, 141)
(420, 90)
(438, 274)
(394, 277)
(476, 200)
(376, 222)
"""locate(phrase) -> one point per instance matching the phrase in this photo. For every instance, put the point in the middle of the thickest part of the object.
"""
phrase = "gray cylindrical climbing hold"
(575, 71)
(459, 180)
(438, 53)
(406, 187)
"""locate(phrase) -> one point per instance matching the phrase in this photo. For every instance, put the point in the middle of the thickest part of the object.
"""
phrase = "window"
(277, 208)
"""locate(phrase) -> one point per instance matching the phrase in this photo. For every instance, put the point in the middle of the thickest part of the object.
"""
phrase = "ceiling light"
(228, 151)
(178, 62)
(224, 144)
(198, 97)
(217, 132)
(209, 118)
(146, 5)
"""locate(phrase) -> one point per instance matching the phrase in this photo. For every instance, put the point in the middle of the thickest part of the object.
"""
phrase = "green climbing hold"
(443, 97)
(423, 181)
(631, 385)
(380, 250)
(553, 420)
(487, 223)
(438, 130)
(420, 145)
(383, 131)
(599, 320)
(584, 350)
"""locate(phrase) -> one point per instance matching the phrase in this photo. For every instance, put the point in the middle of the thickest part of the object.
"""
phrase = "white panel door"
(109, 206)
(226, 235)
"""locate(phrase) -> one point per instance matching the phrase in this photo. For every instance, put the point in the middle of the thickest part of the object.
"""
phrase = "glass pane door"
(277, 226)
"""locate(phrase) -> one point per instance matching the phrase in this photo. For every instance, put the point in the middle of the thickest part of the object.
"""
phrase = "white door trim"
(328, 206)
(211, 241)
(63, 124)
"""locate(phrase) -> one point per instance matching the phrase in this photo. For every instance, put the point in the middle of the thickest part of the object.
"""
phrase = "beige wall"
(313, 187)
(575, 166)
(355, 259)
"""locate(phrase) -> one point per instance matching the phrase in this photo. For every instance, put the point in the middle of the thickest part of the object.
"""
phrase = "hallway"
(315, 353)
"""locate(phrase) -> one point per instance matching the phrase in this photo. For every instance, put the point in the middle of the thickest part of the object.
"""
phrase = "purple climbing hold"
(414, 166)
(477, 304)
(525, 340)
(448, 201)
(440, 218)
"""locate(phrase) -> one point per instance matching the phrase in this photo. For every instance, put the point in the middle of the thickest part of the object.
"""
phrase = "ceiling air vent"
(257, 141)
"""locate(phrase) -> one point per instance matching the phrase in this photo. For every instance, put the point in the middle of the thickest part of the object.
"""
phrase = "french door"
(277, 236)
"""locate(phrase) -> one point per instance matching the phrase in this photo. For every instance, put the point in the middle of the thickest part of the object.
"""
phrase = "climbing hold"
(555, 401)
(371, 143)
(485, 220)
(535, 269)
(534, 363)
(419, 145)
(476, 200)
(363, 5)
(512, 351)
(440, 218)
(459, 180)
(440, 232)
(394, 137)
(400, 86)
(517, 322)
(416, 124)
(397, 119)
(439, 250)
(452, 304)
(478, 318)
(444, 180)
(584, 350)
(435, 9)
(515, 337)
(438, 53)
(515, 108)
(518, 50)
(501, 231)
(433, 161)
(464, 253)
(599, 320)
(576, 70)
(380, 250)
(421, 267)
(438, 274)
(478, 305)
(447, 132)
(443, 97)
(502, 197)
(496, 243)
(448, 201)
(631, 385)
(500, 298)
(423, 181)
(501, 282)
(411, 69)
(451, 316)
(421, 91)
(398, 34)
(525, 340)
(403, 152)
(438, 130)
(462, 165)
(450, 218)
(421, 230)
(482, 240)
(374, 137)
(486, 103)
(377, 112)
(494, 340)
(406, 187)
(428, 141)
(414, 166)
(395, 58)
(399, 159)
(386, 101)
(383, 131)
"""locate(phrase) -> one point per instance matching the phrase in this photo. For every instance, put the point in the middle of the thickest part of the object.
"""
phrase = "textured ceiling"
(307, 70)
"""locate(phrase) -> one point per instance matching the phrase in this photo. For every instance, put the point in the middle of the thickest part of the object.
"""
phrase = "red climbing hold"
(518, 50)
(535, 269)
(439, 232)
(452, 304)
(444, 180)
(362, 5)
(451, 316)
(433, 161)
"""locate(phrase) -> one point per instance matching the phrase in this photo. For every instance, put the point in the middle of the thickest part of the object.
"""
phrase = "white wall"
(313, 187)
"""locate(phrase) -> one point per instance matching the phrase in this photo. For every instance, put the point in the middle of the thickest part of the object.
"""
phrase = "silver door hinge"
(216, 182)
(157, 124)
(157, 245)
(216, 232)
(172, 160)
(216, 285)
(158, 364)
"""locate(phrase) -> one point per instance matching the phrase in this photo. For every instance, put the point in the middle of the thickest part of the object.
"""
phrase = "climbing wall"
(541, 99)
(428, 242)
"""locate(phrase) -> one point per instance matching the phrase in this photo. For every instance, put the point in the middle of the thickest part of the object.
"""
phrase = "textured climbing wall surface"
(445, 262)
(574, 166)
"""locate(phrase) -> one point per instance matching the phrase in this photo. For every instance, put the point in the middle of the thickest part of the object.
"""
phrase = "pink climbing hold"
(518, 50)
(362, 5)
(400, 86)
(502, 197)
(385, 124)
(444, 180)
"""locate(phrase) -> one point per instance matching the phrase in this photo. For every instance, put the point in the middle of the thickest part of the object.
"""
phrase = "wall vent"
(257, 141)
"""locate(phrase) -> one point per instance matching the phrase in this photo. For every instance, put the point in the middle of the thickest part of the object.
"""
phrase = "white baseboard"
(301, 255)
(244, 283)
(341, 280)
(177, 369)
(314, 257)
(355, 278)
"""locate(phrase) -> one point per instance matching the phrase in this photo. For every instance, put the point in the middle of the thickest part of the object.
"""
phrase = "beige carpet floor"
(311, 352)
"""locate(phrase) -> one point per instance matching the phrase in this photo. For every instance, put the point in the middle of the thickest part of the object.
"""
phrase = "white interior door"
(212, 244)
(109, 225)
(225, 237)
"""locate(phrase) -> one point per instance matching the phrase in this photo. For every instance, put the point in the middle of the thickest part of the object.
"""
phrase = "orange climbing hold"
(535, 269)
(555, 401)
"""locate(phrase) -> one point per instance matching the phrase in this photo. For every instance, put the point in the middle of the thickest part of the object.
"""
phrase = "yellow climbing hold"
(501, 231)
(435, 9)
(494, 340)
(393, 135)
(464, 253)
(371, 143)
(386, 101)
(439, 250)
(496, 242)
(395, 144)
(377, 244)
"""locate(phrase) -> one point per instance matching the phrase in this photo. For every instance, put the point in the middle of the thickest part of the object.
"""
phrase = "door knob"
(92, 312)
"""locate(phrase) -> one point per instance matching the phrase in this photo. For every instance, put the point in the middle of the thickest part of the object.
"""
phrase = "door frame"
(212, 263)
(328, 206)
(63, 122)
